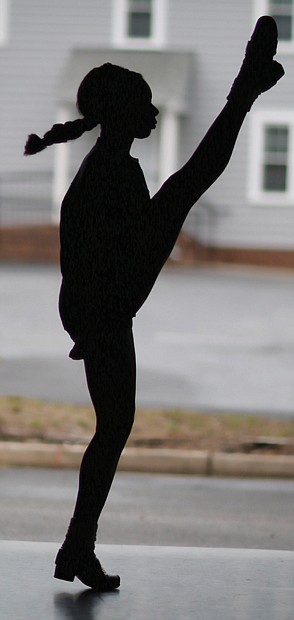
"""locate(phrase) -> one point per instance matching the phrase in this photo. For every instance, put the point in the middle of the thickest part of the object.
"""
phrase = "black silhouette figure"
(114, 241)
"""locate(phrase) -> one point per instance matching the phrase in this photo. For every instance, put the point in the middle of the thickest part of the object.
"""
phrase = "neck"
(116, 140)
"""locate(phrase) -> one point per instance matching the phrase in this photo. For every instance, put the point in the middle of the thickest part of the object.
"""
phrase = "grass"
(23, 419)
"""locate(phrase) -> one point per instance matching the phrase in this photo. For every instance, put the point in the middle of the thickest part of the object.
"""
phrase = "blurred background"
(217, 332)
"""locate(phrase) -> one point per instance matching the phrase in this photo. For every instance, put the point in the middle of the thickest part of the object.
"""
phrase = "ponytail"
(71, 130)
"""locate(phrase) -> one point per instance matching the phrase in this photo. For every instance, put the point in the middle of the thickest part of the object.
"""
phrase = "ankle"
(81, 535)
(245, 89)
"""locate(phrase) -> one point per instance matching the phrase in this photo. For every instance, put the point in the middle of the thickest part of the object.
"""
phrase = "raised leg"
(258, 73)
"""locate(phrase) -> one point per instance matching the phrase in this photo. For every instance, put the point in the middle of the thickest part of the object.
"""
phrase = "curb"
(148, 460)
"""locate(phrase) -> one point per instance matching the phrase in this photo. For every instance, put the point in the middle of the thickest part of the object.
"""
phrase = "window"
(3, 21)
(283, 12)
(139, 18)
(275, 158)
(139, 23)
(271, 163)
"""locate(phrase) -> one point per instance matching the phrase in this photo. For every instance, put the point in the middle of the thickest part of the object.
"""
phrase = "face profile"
(135, 113)
(143, 117)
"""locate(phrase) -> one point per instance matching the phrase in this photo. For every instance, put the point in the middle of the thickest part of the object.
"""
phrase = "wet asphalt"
(144, 509)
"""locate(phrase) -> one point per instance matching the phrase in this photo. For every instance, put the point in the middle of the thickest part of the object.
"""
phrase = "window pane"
(139, 25)
(275, 178)
(275, 158)
(276, 139)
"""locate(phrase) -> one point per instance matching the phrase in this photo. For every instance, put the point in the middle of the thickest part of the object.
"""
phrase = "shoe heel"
(64, 573)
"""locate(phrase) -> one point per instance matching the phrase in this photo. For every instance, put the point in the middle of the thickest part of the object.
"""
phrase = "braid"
(60, 132)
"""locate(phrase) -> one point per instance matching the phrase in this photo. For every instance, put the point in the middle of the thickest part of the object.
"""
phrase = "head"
(114, 97)
(119, 99)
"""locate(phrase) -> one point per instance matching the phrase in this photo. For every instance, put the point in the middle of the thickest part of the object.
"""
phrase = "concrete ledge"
(40, 243)
(252, 465)
(32, 454)
(163, 461)
(166, 583)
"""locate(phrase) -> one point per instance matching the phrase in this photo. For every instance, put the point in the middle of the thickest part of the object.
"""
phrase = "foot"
(259, 72)
(260, 51)
(87, 569)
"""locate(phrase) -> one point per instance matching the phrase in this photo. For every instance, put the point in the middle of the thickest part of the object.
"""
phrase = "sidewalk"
(169, 583)
(163, 461)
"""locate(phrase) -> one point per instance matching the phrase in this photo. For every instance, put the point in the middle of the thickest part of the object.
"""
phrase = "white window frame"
(259, 119)
(261, 7)
(3, 22)
(120, 37)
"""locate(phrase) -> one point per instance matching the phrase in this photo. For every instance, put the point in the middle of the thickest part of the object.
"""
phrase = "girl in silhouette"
(114, 241)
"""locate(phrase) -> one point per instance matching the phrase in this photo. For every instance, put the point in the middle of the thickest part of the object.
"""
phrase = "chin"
(144, 133)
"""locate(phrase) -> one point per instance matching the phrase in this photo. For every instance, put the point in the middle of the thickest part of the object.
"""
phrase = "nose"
(155, 110)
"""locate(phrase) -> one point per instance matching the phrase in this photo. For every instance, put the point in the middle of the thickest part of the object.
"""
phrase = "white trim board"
(3, 21)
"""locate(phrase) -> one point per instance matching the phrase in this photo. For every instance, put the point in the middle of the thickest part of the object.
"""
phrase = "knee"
(132, 418)
(125, 423)
(117, 425)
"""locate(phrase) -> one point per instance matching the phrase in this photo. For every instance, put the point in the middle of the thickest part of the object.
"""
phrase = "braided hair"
(102, 92)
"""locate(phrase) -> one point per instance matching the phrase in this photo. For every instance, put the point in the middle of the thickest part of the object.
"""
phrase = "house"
(189, 52)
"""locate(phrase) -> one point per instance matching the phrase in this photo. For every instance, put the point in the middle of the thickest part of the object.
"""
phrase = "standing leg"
(111, 379)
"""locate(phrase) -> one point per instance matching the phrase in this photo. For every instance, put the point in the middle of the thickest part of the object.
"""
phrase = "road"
(211, 338)
(36, 505)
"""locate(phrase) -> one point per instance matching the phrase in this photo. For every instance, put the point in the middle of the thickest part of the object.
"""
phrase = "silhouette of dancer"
(114, 241)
